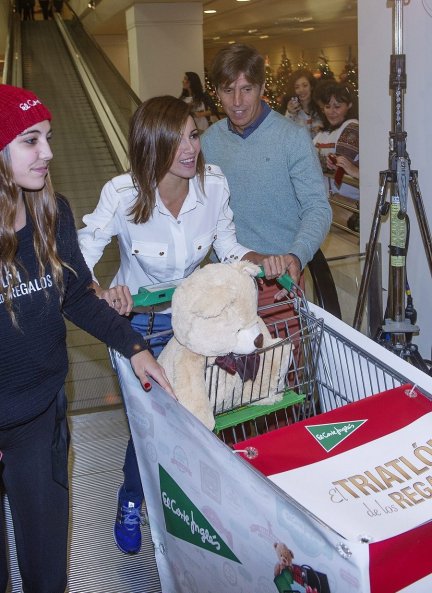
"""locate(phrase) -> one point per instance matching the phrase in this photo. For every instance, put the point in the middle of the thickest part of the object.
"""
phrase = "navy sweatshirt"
(33, 357)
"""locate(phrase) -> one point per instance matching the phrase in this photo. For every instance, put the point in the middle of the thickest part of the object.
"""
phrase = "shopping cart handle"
(285, 280)
(149, 296)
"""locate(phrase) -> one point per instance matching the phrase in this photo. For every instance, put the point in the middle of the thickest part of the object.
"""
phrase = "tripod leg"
(416, 359)
(421, 217)
(370, 252)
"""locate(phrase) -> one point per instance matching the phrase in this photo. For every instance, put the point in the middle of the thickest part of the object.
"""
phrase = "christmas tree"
(350, 72)
(283, 73)
(323, 71)
(210, 89)
(270, 84)
(302, 64)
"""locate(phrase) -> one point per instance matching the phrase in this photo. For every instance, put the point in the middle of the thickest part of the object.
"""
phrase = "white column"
(375, 47)
(165, 41)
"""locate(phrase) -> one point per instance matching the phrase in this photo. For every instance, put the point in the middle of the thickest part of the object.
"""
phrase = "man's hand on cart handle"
(289, 285)
(144, 366)
(118, 297)
(275, 266)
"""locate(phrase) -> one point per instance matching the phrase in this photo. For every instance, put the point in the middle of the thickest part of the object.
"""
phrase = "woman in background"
(338, 142)
(299, 104)
(201, 104)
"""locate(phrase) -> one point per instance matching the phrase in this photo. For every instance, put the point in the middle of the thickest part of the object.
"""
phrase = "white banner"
(220, 526)
(375, 490)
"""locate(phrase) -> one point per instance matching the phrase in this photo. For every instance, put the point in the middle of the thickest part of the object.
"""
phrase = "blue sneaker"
(127, 526)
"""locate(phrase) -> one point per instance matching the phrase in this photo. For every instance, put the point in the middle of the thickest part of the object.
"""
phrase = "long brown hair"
(42, 207)
(154, 135)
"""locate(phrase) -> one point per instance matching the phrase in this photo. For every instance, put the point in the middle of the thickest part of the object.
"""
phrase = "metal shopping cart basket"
(283, 388)
(351, 366)
(328, 367)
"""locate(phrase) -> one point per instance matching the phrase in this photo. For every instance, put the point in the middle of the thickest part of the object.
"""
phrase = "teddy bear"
(285, 558)
(214, 318)
(289, 576)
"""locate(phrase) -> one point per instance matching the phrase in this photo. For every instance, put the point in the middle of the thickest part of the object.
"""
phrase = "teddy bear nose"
(259, 341)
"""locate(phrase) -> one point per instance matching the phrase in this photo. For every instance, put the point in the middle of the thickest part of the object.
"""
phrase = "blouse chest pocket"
(151, 255)
(202, 244)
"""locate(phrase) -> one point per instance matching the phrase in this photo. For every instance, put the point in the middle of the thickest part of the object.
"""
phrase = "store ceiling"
(248, 20)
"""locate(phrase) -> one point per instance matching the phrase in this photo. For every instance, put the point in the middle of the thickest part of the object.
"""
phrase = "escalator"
(83, 162)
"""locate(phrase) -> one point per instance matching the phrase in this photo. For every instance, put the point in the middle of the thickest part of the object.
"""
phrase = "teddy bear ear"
(248, 267)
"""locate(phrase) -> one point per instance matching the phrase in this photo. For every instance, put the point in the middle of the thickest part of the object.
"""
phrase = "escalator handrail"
(12, 71)
(115, 135)
(132, 95)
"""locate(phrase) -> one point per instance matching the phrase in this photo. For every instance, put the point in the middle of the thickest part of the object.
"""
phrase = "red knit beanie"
(19, 109)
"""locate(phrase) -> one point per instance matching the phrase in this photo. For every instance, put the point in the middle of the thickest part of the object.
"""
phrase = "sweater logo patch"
(22, 287)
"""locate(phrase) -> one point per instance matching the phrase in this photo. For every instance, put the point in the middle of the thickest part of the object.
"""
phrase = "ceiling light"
(242, 0)
(212, 11)
(231, 42)
(252, 30)
(308, 29)
(263, 36)
(216, 38)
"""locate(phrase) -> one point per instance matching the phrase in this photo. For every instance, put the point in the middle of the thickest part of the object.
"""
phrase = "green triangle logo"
(185, 521)
(330, 435)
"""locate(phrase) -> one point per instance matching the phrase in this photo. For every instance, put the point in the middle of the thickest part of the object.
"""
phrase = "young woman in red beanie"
(43, 278)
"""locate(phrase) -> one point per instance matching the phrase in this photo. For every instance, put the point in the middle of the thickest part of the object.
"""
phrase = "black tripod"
(397, 330)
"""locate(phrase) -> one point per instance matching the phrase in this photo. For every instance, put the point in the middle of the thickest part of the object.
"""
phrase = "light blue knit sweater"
(278, 194)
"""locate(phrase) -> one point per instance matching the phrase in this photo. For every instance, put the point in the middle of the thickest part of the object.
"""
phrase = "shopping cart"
(325, 369)
(254, 406)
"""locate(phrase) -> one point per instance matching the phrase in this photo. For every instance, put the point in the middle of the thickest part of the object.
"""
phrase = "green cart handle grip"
(163, 294)
(150, 298)
(285, 280)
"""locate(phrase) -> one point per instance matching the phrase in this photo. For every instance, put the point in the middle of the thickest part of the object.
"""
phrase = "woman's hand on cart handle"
(144, 366)
(118, 297)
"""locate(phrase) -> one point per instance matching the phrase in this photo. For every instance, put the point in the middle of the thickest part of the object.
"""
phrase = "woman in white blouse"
(166, 213)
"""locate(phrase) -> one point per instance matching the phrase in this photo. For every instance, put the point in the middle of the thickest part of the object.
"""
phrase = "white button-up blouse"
(164, 248)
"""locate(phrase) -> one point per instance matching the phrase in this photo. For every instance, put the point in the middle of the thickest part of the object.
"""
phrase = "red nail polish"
(147, 386)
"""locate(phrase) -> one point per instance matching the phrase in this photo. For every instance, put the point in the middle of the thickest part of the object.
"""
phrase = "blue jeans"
(132, 482)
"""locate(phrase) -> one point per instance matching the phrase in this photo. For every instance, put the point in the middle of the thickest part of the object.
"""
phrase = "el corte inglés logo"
(185, 521)
(331, 435)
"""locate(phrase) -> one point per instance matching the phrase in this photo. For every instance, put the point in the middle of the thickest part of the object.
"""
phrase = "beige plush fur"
(285, 557)
(214, 312)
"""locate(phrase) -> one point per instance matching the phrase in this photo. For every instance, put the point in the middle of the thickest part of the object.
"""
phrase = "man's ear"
(262, 89)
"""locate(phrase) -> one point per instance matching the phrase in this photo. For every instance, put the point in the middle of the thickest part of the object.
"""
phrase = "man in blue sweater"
(277, 188)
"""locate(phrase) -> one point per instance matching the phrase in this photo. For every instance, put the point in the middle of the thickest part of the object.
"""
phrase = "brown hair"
(341, 91)
(42, 207)
(155, 133)
(238, 59)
